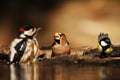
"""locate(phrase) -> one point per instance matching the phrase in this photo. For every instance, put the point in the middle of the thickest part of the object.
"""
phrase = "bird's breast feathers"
(31, 50)
(61, 49)
(100, 49)
(109, 50)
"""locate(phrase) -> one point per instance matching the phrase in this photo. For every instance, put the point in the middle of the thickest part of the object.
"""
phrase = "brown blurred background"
(80, 20)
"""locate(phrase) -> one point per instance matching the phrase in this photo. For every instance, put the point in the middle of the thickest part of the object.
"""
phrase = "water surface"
(40, 71)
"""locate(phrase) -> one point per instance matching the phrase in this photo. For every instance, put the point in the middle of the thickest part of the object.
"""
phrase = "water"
(40, 71)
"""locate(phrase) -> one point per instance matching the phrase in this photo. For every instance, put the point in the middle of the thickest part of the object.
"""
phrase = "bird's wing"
(17, 49)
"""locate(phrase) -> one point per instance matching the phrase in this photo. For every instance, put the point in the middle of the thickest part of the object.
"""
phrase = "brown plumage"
(61, 45)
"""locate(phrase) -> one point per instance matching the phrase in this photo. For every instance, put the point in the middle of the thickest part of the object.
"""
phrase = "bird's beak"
(40, 28)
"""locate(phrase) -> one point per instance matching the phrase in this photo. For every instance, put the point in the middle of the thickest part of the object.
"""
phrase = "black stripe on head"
(28, 27)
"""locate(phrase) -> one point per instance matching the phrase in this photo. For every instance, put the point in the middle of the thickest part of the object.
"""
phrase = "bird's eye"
(61, 35)
(107, 40)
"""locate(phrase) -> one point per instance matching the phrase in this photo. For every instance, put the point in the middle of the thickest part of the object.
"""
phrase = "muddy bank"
(81, 55)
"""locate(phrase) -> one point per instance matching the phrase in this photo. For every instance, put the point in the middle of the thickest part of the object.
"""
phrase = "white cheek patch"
(22, 35)
(103, 43)
(30, 32)
(57, 38)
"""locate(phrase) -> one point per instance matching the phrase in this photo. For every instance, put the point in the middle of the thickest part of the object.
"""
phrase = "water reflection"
(24, 72)
(41, 71)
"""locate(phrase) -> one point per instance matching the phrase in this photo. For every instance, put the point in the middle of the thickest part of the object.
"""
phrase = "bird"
(25, 47)
(105, 45)
(60, 45)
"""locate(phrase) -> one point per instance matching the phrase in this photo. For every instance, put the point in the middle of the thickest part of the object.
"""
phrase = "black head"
(28, 27)
(106, 40)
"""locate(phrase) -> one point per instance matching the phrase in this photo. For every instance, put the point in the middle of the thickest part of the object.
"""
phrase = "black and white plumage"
(25, 48)
(105, 46)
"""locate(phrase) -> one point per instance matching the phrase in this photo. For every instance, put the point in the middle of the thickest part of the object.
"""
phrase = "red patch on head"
(21, 30)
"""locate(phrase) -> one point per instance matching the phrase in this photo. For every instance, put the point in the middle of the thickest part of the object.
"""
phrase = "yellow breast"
(107, 51)
(99, 48)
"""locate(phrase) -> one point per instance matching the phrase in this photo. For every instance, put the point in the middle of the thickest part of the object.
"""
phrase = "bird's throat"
(58, 41)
